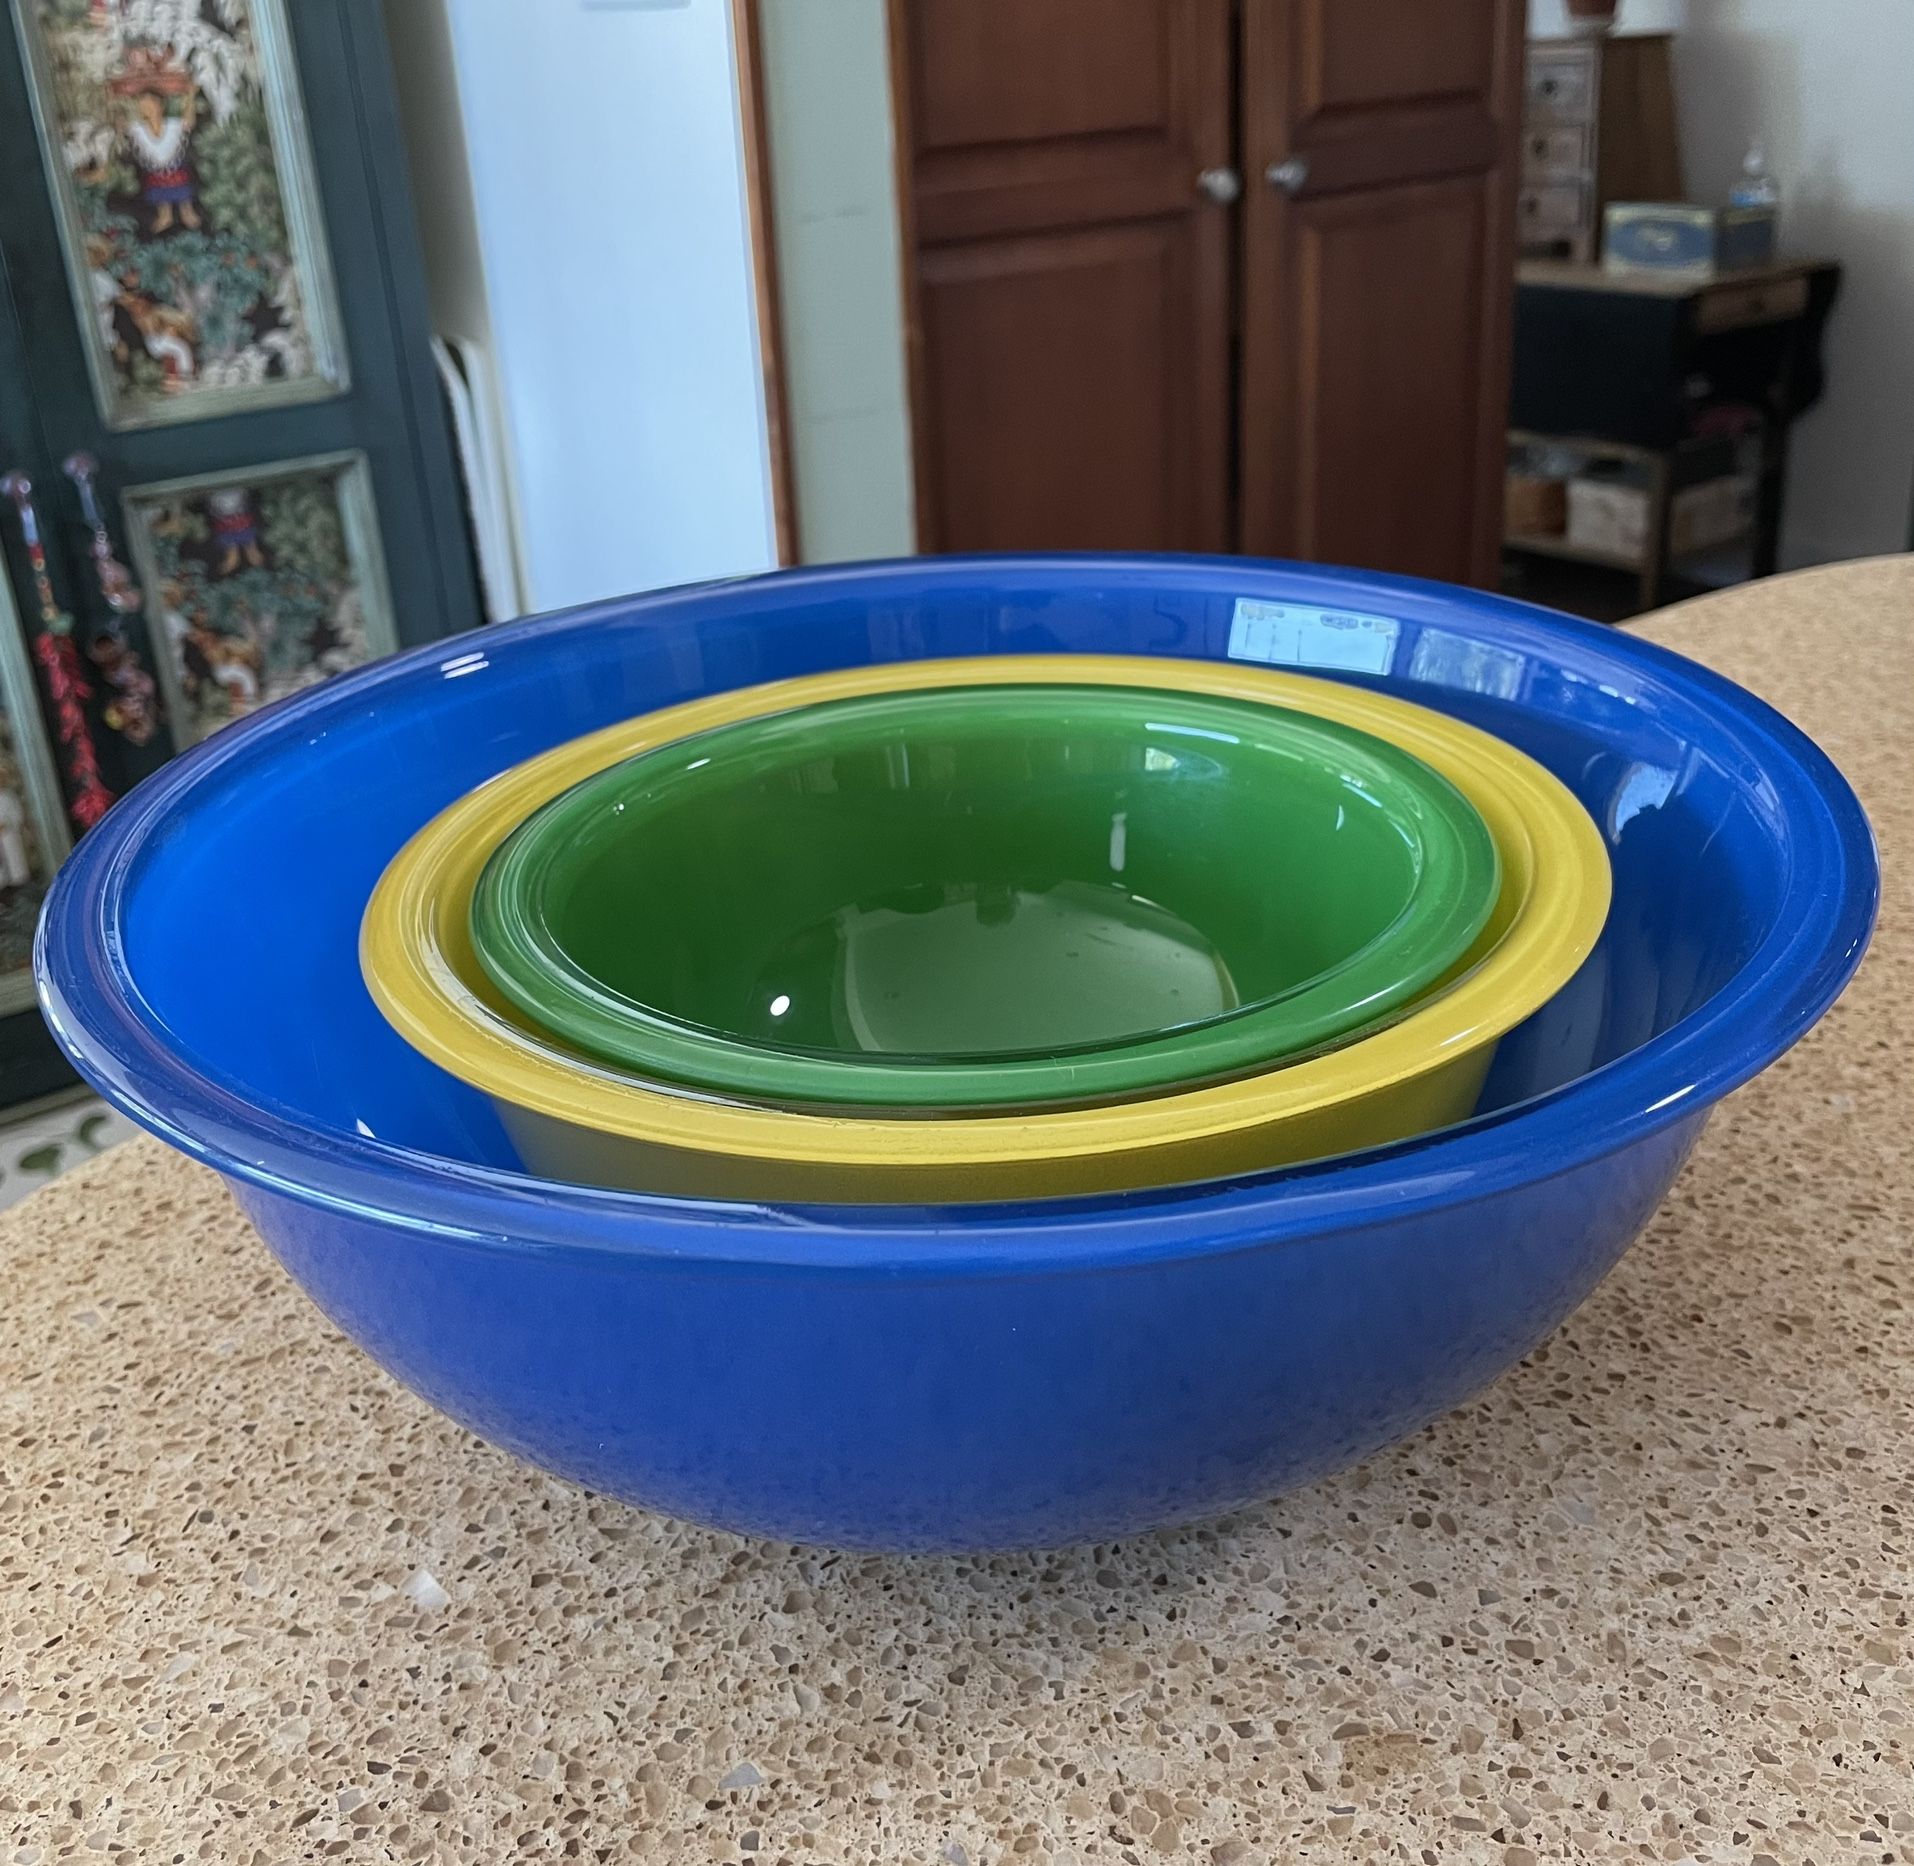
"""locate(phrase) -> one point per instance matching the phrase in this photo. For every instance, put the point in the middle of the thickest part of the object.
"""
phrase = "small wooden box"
(1611, 516)
(1608, 516)
(1534, 505)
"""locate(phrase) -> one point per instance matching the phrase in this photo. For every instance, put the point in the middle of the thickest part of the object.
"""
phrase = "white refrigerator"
(579, 176)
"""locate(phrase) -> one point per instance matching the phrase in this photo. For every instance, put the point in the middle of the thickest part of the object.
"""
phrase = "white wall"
(828, 116)
(426, 70)
(1828, 86)
(607, 213)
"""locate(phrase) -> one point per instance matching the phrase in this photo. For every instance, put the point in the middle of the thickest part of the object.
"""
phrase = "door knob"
(1222, 185)
(1288, 175)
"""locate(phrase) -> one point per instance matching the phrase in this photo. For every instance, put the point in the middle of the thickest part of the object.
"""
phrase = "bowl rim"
(415, 958)
(1452, 872)
(1826, 912)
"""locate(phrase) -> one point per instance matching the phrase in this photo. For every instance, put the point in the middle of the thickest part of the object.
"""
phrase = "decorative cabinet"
(228, 469)
(1598, 125)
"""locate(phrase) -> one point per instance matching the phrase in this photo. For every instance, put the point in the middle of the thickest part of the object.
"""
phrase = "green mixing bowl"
(986, 897)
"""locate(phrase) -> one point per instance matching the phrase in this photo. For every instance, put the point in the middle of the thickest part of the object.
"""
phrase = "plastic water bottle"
(1756, 188)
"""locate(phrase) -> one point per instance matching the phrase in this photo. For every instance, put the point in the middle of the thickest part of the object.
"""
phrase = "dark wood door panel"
(1377, 294)
(1403, 145)
(1068, 410)
(1068, 291)
(1375, 92)
(1382, 307)
(1072, 296)
(999, 71)
(1066, 187)
(1361, 54)
(1051, 113)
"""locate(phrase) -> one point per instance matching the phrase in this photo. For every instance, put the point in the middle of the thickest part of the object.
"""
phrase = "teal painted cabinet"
(229, 469)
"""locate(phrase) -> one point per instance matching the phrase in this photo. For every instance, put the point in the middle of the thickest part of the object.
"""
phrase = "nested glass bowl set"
(965, 1053)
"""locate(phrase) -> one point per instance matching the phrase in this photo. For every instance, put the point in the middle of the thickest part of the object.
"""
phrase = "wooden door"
(1378, 279)
(1069, 317)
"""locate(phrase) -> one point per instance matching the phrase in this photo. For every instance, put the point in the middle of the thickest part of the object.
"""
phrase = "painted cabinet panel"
(259, 585)
(175, 148)
(228, 466)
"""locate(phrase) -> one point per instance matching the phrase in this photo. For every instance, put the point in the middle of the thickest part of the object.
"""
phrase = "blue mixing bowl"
(985, 1376)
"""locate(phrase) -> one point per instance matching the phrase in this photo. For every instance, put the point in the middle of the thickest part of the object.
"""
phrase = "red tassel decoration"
(68, 689)
(62, 670)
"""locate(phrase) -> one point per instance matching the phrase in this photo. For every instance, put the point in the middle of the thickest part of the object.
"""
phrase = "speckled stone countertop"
(1647, 1598)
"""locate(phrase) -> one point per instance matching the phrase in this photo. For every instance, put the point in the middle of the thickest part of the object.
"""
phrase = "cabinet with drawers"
(1598, 125)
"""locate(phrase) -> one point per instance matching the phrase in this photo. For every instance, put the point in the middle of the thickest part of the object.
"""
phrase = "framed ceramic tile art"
(33, 831)
(258, 583)
(176, 150)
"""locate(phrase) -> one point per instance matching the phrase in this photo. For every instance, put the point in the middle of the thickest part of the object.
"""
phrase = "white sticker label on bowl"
(1291, 635)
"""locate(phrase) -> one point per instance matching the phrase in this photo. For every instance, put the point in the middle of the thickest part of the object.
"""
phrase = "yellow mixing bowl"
(573, 1120)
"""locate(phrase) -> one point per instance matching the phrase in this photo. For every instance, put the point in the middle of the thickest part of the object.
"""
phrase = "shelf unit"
(1667, 471)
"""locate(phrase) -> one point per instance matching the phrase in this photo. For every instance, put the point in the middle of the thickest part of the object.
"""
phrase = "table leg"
(1771, 491)
(1655, 544)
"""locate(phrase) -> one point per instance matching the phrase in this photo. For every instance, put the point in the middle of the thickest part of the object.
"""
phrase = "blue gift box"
(1672, 236)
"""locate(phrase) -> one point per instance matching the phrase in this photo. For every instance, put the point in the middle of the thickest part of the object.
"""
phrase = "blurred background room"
(825, 279)
(336, 327)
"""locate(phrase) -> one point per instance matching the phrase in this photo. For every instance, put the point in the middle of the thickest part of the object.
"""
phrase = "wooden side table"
(1656, 370)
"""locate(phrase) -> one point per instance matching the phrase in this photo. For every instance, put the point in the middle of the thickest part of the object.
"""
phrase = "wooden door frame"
(1499, 306)
(916, 390)
(747, 44)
